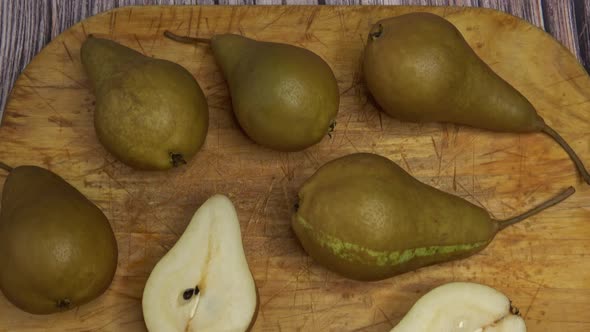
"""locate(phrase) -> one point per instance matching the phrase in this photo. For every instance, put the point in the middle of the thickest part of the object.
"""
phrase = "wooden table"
(543, 264)
(27, 26)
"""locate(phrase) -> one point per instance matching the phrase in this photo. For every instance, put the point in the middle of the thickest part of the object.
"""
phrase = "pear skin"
(150, 113)
(284, 97)
(419, 68)
(365, 218)
(57, 249)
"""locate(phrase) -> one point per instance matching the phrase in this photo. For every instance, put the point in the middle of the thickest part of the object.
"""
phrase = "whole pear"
(284, 97)
(57, 249)
(364, 217)
(419, 68)
(150, 113)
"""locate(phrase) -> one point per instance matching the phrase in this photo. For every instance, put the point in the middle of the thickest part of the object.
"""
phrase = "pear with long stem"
(419, 68)
(366, 218)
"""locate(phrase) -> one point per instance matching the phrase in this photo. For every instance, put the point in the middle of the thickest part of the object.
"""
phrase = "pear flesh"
(365, 218)
(203, 283)
(150, 113)
(419, 68)
(57, 249)
(462, 307)
(284, 97)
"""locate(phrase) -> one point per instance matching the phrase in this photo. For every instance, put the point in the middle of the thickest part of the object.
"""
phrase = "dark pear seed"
(188, 294)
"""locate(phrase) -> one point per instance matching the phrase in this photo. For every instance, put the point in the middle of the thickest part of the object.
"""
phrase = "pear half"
(203, 283)
(462, 307)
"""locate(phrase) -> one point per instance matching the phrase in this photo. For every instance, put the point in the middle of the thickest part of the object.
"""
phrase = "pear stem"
(5, 167)
(186, 39)
(376, 33)
(547, 204)
(579, 165)
(331, 128)
(177, 159)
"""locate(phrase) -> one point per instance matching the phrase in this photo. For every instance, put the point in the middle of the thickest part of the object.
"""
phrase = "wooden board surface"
(543, 264)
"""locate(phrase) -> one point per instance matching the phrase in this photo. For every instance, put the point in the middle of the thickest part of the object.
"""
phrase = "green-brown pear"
(150, 113)
(365, 218)
(284, 97)
(57, 249)
(418, 67)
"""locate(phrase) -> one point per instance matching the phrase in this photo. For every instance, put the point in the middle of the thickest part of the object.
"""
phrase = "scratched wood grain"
(26, 26)
(542, 264)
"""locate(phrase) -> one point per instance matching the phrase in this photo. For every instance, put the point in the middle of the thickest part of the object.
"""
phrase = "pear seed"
(188, 294)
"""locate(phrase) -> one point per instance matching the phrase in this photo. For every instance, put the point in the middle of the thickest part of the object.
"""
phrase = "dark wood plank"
(528, 10)
(582, 15)
(25, 29)
(559, 20)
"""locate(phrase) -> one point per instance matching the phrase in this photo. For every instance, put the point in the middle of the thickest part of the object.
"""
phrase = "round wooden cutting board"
(542, 264)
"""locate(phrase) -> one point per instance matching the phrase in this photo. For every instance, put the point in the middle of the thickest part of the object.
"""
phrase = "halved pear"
(462, 307)
(203, 283)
